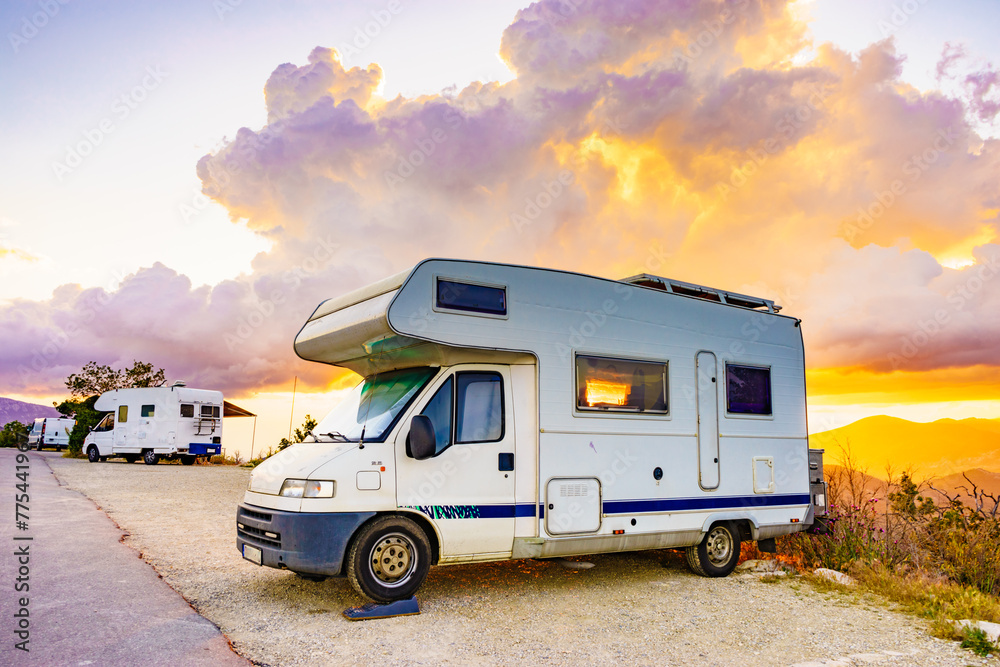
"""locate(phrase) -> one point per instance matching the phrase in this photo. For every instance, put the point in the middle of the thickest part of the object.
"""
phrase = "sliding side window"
(621, 385)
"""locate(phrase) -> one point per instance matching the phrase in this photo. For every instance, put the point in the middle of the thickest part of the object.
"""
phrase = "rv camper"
(157, 422)
(51, 432)
(515, 412)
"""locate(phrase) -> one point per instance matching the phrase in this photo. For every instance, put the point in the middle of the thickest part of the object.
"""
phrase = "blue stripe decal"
(704, 503)
(476, 511)
(614, 506)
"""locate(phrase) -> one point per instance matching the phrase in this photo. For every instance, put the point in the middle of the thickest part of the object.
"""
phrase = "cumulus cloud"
(679, 138)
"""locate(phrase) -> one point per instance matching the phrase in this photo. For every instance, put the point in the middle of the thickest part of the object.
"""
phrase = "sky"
(183, 183)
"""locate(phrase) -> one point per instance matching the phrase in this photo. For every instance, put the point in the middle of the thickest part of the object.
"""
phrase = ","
(153, 423)
(517, 412)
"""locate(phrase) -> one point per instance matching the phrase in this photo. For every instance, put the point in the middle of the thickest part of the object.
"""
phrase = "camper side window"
(122, 414)
(187, 410)
(210, 411)
(148, 410)
(620, 385)
(748, 389)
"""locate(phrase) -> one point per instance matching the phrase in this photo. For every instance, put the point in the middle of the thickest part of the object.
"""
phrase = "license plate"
(252, 554)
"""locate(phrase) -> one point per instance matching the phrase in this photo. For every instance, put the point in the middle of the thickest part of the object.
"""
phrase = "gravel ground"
(640, 608)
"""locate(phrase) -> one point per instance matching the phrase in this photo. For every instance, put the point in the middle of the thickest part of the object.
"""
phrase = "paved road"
(91, 599)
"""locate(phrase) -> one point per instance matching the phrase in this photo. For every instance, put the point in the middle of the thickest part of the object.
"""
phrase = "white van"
(515, 412)
(157, 422)
(50, 432)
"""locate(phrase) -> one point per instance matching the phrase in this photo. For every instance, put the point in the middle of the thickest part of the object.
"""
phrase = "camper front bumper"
(307, 542)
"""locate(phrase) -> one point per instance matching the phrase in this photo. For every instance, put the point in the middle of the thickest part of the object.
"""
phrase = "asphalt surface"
(91, 600)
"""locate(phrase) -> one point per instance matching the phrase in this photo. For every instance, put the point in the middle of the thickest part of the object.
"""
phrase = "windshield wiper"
(336, 436)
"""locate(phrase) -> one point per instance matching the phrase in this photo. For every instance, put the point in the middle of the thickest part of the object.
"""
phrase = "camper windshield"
(373, 405)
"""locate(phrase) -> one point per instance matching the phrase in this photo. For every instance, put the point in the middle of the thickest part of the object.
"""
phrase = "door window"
(467, 408)
(122, 414)
(439, 411)
(480, 407)
(106, 424)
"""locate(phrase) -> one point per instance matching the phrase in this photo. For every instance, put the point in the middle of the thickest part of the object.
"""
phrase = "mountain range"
(936, 449)
(26, 413)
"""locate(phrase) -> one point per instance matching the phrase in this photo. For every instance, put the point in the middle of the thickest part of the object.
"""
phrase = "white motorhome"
(515, 412)
(157, 422)
(50, 432)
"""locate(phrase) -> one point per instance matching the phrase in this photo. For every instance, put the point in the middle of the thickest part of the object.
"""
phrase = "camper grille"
(250, 514)
(257, 536)
(573, 490)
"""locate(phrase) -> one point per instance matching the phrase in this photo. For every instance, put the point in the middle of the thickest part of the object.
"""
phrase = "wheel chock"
(372, 610)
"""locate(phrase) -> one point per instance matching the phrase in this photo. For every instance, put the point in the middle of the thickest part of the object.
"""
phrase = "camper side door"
(467, 487)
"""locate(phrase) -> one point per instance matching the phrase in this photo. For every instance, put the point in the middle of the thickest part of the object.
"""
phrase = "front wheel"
(389, 559)
(718, 553)
(150, 458)
(92, 455)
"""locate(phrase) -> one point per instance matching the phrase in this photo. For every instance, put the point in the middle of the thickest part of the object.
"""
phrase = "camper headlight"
(307, 488)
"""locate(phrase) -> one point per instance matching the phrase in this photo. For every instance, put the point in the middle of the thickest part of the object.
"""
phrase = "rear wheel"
(150, 458)
(92, 455)
(188, 460)
(389, 559)
(718, 553)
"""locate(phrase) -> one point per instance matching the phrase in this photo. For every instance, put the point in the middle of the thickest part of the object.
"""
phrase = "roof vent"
(179, 383)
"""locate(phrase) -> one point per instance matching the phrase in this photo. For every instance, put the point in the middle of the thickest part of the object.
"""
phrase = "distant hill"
(936, 449)
(26, 413)
(959, 485)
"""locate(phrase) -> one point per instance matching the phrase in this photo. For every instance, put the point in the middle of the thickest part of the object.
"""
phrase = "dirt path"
(640, 608)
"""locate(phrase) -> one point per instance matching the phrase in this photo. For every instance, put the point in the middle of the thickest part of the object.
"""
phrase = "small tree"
(300, 433)
(95, 379)
(13, 433)
(86, 416)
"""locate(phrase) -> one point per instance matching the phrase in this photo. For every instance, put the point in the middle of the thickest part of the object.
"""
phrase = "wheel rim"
(92, 454)
(393, 559)
(719, 546)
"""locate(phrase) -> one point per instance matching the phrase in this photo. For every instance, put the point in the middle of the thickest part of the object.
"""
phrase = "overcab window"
(748, 389)
(471, 298)
(620, 385)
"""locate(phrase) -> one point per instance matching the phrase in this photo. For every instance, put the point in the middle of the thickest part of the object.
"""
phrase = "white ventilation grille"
(574, 491)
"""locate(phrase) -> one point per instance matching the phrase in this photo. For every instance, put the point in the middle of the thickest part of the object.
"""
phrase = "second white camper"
(157, 422)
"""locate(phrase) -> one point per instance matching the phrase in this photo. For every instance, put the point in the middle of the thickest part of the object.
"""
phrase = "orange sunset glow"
(718, 143)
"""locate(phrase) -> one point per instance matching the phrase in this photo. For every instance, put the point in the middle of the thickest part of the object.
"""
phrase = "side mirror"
(421, 441)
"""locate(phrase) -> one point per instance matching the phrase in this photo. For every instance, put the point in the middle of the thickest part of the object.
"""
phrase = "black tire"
(150, 458)
(130, 458)
(389, 559)
(92, 454)
(188, 460)
(718, 552)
